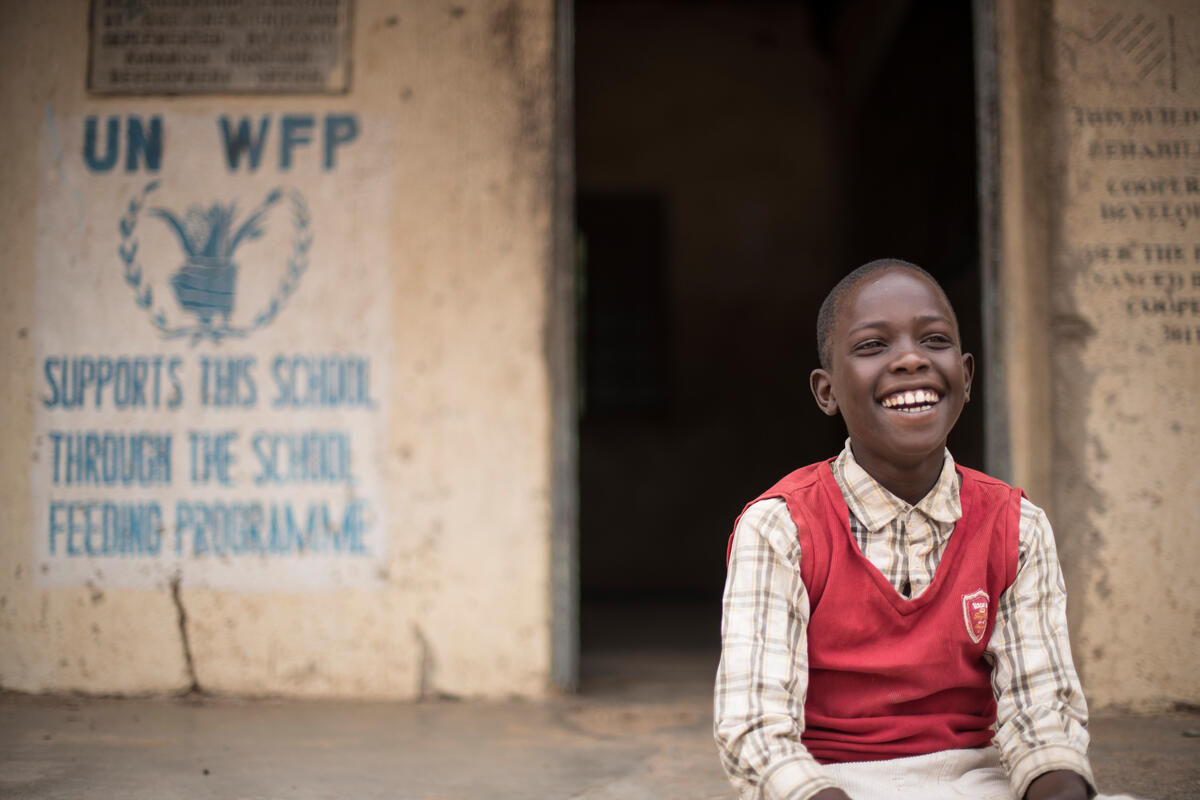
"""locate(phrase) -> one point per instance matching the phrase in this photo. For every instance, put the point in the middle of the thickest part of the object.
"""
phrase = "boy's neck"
(909, 482)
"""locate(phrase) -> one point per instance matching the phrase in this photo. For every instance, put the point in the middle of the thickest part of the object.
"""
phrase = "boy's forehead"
(903, 288)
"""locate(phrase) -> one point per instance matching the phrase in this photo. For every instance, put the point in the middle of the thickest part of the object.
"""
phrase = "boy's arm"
(1041, 715)
(763, 675)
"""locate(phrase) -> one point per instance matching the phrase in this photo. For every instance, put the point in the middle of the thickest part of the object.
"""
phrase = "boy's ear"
(822, 389)
(968, 362)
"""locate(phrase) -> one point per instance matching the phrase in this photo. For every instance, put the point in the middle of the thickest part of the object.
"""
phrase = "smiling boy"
(894, 623)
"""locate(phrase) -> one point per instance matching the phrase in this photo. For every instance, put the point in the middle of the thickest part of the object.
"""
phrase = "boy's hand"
(831, 794)
(1061, 784)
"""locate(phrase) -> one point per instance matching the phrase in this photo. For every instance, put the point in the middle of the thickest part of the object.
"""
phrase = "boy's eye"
(868, 346)
(938, 339)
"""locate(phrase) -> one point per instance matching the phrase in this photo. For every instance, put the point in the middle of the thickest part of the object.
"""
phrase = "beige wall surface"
(1126, 341)
(1109, 245)
(429, 262)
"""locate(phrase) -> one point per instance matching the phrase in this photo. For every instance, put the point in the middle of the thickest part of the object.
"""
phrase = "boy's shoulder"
(980, 477)
(796, 482)
(789, 491)
(999, 490)
(798, 479)
(984, 481)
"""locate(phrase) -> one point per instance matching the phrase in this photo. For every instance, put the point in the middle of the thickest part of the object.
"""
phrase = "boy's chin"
(909, 450)
(918, 450)
(914, 432)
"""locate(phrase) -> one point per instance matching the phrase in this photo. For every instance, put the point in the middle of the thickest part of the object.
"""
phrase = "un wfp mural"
(288, 349)
(211, 343)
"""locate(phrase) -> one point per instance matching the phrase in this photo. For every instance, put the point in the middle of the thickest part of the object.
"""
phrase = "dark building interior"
(733, 161)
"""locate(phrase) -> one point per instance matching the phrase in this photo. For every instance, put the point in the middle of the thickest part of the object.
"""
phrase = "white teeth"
(914, 400)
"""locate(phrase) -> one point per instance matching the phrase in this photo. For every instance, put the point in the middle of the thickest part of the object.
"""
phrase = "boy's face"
(897, 373)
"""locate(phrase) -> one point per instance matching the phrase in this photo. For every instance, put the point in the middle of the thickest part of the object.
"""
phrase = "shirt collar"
(875, 507)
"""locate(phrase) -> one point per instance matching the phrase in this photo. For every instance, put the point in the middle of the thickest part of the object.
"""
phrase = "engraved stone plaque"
(1132, 207)
(219, 46)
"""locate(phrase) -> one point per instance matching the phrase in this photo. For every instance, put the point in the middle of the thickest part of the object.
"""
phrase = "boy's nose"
(909, 358)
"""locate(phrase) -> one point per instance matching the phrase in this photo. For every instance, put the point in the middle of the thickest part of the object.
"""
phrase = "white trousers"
(947, 775)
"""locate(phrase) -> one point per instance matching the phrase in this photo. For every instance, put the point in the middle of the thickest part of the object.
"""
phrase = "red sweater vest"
(890, 677)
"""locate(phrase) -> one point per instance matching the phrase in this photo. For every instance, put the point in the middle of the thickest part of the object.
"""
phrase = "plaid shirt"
(762, 680)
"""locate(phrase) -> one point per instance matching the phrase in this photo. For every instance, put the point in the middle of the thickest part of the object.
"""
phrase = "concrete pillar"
(1097, 323)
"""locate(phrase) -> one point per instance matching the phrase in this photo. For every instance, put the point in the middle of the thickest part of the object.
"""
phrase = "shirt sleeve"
(1041, 715)
(762, 678)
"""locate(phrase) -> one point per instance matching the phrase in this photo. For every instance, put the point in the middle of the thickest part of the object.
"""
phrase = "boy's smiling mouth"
(911, 401)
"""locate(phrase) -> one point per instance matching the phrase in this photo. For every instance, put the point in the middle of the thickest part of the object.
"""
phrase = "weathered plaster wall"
(460, 605)
(1126, 329)
(1100, 280)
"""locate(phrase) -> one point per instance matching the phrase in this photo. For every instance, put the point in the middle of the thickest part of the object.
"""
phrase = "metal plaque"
(144, 47)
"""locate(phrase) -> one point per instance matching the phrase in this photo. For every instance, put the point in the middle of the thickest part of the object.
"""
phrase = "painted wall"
(320, 450)
(1100, 311)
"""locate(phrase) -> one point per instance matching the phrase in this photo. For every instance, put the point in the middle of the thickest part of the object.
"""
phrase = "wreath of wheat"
(143, 293)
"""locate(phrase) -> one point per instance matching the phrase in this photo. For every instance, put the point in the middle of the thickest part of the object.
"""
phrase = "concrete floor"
(639, 731)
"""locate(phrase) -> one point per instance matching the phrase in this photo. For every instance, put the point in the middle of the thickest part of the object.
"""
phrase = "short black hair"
(832, 305)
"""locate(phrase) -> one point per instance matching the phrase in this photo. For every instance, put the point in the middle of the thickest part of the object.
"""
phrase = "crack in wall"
(425, 665)
(181, 615)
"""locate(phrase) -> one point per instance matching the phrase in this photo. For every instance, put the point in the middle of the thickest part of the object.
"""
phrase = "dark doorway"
(733, 161)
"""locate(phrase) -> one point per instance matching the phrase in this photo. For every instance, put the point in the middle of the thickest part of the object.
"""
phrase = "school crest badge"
(975, 614)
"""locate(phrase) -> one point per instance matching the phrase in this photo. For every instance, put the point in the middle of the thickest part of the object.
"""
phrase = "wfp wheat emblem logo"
(215, 251)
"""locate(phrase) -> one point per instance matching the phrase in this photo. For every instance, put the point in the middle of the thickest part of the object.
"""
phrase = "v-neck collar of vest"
(903, 605)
